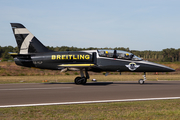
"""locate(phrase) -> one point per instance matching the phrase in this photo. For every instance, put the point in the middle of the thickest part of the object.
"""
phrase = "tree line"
(166, 55)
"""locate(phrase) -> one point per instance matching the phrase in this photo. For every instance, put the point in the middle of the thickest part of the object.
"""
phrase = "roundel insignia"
(132, 66)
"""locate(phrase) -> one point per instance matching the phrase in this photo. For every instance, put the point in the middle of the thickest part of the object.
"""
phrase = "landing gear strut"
(141, 81)
(82, 79)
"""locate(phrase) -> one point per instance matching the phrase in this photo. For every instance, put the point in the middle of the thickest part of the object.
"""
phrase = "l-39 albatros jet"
(32, 53)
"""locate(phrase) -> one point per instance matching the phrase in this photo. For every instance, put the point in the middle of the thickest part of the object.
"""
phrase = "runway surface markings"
(85, 102)
(36, 88)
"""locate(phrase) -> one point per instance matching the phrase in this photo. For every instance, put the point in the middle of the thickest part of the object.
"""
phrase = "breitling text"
(70, 57)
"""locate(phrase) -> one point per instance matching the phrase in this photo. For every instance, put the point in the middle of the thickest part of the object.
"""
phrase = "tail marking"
(26, 42)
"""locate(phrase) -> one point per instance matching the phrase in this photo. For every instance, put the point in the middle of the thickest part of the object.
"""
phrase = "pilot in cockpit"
(129, 57)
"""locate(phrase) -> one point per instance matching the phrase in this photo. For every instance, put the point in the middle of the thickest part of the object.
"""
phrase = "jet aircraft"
(32, 53)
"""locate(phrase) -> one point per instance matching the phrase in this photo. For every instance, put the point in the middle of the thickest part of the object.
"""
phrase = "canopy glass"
(119, 54)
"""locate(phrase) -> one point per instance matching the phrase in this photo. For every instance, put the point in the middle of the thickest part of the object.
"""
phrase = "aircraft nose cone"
(162, 68)
(154, 67)
(168, 69)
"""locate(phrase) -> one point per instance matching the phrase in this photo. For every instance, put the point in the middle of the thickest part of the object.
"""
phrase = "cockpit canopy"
(119, 54)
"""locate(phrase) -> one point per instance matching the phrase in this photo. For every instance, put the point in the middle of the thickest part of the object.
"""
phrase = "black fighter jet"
(32, 53)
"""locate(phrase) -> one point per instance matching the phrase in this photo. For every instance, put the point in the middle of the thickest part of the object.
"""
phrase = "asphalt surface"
(14, 94)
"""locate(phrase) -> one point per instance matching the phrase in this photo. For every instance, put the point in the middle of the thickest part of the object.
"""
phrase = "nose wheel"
(141, 81)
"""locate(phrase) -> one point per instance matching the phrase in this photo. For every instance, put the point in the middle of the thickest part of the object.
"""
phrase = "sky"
(137, 24)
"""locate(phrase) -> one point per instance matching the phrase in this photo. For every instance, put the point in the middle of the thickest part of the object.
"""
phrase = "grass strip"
(146, 110)
(70, 78)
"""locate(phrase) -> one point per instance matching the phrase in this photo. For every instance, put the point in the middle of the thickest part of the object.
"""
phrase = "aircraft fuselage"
(60, 60)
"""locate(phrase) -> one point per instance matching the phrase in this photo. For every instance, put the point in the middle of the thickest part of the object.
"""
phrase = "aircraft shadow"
(124, 83)
(120, 83)
(88, 83)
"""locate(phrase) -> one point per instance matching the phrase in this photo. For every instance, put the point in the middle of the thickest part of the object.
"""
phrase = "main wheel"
(83, 80)
(80, 80)
(77, 80)
(141, 81)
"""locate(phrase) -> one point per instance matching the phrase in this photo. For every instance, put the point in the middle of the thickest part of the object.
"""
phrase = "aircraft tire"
(141, 81)
(80, 80)
(84, 80)
(77, 80)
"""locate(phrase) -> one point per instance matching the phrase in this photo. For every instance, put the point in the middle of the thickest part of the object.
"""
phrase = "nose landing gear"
(141, 81)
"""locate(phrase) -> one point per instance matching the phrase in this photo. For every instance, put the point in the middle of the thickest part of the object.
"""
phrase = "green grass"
(70, 78)
(142, 110)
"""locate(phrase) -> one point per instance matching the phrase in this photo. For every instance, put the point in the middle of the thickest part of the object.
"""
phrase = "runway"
(37, 94)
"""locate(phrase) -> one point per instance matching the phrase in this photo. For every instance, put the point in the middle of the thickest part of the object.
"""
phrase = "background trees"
(166, 55)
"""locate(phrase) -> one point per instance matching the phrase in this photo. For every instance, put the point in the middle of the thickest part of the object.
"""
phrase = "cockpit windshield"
(119, 54)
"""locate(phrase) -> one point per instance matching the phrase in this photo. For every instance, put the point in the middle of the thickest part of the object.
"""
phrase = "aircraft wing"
(75, 67)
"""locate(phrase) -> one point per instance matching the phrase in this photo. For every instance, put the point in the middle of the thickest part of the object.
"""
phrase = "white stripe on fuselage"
(26, 42)
(141, 61)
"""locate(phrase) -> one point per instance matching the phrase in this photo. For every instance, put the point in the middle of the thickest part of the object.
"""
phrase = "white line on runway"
(35, 88)
(85, 102)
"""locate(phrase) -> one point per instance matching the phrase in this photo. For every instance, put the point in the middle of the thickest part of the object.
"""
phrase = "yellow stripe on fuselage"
(76, 65)
(13, 53)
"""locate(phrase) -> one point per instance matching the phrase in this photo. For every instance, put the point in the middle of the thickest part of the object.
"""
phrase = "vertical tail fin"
(26, 41)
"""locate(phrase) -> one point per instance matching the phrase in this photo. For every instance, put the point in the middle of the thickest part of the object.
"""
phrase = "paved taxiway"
(15, 94)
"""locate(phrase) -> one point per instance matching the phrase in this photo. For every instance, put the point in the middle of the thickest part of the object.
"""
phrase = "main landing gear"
(82, 79)
(141, 81)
